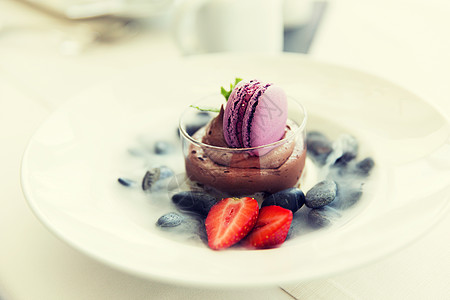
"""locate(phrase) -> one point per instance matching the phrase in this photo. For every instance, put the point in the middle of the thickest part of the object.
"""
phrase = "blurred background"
(55, 48)
(51, 50)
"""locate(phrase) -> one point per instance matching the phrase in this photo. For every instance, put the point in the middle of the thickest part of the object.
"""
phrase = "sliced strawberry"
(271, 227)
(230, 220)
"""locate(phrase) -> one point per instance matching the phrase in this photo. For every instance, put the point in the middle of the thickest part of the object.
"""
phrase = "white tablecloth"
(407, 42)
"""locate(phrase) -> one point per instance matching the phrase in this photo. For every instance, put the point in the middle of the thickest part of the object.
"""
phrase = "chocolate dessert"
(277, 153)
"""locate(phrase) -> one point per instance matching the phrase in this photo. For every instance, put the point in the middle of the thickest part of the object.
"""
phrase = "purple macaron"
(255, 115)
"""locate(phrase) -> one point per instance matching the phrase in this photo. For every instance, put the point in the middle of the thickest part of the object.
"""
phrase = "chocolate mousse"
(241, 172)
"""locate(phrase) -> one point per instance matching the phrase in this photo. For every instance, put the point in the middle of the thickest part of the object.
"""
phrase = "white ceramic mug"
(202, 26)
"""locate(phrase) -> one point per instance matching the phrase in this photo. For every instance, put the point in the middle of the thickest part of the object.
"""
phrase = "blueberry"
(323, 193)
(154, 175)
(195, 202)
(169, 220)
(292, 199)
(318, 146)
(126, 182)
(162, 148)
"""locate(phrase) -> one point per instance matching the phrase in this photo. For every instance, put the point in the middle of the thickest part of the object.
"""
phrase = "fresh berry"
(271, 228)
(321, 194)
(170, 220)
(195, 202)
(292, 199)
(230, 220)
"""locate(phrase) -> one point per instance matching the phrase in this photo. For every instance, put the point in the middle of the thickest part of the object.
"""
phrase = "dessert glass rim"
(292, 134)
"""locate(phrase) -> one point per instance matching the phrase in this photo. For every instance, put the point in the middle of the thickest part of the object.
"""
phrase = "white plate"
(71, 166)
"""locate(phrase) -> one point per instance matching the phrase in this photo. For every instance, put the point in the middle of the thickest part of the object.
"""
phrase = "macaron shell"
(230, 115)
(265, 119)
(235, 112)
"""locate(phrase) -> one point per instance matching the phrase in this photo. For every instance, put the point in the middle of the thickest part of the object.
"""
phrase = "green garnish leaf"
(211, 109)
(226, 93)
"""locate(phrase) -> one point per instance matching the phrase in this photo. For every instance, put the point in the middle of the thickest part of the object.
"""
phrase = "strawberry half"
(230, 220)
(271, 228)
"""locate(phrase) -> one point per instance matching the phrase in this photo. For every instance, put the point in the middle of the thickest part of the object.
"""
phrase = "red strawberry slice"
(230, 220)
(271, 227)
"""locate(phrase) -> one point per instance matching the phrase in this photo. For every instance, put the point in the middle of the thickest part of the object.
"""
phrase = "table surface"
(407, 42)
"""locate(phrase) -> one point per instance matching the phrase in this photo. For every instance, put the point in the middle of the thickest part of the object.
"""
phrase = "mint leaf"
(226, 93)
(211, 109)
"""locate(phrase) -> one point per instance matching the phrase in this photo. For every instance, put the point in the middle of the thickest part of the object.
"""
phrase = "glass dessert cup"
(242, 171)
